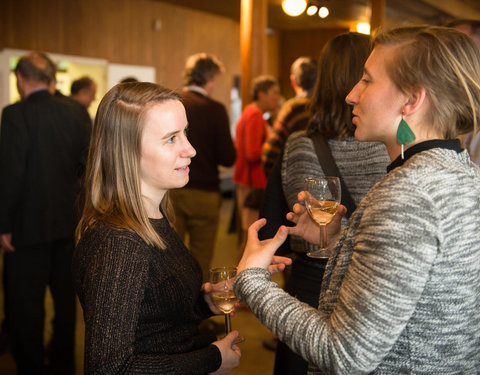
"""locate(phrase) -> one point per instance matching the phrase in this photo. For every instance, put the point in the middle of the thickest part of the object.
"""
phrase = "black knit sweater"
(141, 305)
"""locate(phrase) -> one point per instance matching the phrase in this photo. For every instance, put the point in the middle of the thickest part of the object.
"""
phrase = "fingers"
(207, 288)
(279, 238)
(301, 196)
(281, 260)
(341, 210)
(257, 225)
(231, 336)
(298, 210)
(278, 264)
(275, 268)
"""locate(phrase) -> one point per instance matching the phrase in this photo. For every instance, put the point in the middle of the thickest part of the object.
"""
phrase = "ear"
(292, 81)
(260, 96)
(415, 101)
(19, 77)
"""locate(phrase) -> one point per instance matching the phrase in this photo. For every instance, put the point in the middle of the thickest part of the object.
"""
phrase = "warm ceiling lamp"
(323, 12)
(294, 7)
(312, 9)
(363, 28)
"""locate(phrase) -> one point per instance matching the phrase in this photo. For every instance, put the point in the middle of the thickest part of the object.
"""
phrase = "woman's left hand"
(261, 253)
(206, 289)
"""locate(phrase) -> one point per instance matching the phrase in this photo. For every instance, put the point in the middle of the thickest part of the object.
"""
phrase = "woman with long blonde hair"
(139, 287)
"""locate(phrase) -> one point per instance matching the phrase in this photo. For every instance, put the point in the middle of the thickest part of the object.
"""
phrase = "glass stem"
(323, 237)
(228, 324)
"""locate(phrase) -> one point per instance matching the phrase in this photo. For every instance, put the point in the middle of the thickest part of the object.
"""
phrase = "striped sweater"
(401, 295)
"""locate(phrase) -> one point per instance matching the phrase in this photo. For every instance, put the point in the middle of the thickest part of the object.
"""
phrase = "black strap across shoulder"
(330, 168)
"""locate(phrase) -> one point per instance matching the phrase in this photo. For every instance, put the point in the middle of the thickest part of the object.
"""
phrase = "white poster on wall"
(119, 72)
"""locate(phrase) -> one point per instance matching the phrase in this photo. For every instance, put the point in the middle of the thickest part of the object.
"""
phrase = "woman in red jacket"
(251, 132)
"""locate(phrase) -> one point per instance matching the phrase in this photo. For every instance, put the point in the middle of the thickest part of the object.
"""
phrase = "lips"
(183, 169)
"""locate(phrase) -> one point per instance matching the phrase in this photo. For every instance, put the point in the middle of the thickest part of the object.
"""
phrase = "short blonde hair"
(446, 63)
(112, 191)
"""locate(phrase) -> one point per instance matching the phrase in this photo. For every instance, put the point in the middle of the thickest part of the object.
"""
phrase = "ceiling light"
(363, 28)
(294, 7)
(323, 12)
(312, 9)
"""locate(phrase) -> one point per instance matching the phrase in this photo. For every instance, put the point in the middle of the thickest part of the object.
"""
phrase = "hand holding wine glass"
(322, 197)
(222, 294)
(306, 228)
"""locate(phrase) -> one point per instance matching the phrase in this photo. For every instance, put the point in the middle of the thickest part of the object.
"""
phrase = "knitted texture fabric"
(361, 165)
(141, 305)
(293, 116)
(401, 294)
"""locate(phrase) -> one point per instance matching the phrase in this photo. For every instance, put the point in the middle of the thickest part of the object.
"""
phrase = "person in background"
(83, 90)
(129, 79)
(251, 133)
(401, 291)
(294, 113)
(361, 165)
(77, 107)
(197, 205)
(472, 29)
(37, 220)
(140, 288)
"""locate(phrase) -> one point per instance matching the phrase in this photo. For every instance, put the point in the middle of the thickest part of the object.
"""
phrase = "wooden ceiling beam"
(457, 8)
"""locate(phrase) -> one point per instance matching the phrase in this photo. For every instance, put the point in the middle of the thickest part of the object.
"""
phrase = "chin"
(358, 135)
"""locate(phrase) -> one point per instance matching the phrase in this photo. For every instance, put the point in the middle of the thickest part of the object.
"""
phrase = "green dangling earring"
(405, 135)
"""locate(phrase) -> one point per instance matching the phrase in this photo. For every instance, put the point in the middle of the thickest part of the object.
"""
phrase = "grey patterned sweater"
(361, 165)
(401, 295)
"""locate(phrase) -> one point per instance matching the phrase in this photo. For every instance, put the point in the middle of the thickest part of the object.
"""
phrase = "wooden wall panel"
(296, 43)
(121, 31)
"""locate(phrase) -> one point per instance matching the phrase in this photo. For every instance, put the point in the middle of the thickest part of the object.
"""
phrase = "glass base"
(319, 254)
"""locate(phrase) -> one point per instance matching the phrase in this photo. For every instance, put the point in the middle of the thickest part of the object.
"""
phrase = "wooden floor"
(255, 358)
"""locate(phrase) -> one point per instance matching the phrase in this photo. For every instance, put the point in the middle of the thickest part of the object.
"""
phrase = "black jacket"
(43, 148)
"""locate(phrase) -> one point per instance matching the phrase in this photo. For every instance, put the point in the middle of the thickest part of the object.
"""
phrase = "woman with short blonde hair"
(401, 292)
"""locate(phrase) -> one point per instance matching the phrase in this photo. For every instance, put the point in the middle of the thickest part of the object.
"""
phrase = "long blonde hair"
(112, 189)
(446, 63)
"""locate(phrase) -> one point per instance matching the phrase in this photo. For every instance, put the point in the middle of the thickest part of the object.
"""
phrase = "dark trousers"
(29, 270)
(304, 283)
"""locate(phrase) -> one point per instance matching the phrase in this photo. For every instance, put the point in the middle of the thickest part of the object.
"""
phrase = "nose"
(188, 151)
(352, 97)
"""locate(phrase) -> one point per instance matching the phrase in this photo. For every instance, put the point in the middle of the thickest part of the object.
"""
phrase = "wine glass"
(322, 197)
(223, 298)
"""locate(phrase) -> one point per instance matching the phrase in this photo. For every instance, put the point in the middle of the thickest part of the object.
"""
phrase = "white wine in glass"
(322, 197)
(222, 295)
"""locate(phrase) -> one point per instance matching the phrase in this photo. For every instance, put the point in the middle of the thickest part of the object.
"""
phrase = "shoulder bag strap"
(330, 168)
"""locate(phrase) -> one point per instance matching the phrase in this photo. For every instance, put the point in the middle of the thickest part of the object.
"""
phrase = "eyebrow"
(169, 134)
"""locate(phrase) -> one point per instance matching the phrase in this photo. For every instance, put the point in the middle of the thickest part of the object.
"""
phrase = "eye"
(171, 139)
(365, 79)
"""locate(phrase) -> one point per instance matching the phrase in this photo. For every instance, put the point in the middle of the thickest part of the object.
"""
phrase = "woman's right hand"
(307, 228)
(230, 353)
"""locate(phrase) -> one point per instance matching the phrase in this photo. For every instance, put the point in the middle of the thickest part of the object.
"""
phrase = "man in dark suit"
(43, 146)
